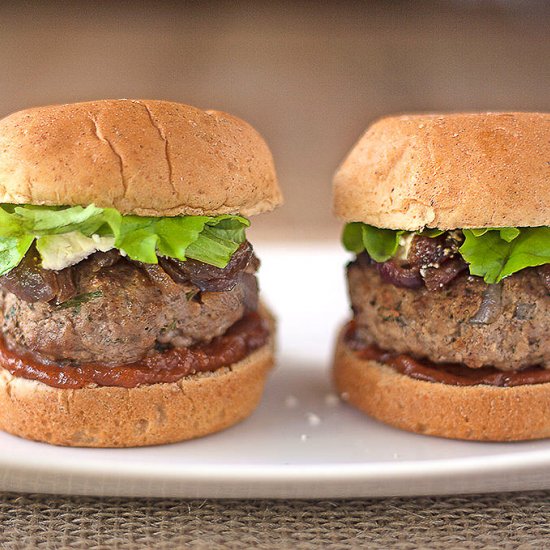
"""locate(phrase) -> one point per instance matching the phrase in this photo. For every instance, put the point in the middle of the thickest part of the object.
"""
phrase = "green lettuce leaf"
(506, 233)
(212, 240)
(495, 254)
(430, 233)
(209, 239)
(381, 244)
(176, 234)
(45, 220)
(352, 237)
(12, 251)
(219, 240)
(492, 253)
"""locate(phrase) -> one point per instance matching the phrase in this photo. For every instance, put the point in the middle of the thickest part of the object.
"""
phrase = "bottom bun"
(153, 414)
(481, 413)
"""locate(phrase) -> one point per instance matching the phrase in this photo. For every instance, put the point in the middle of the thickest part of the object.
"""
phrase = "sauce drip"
(446, 373)
(245, 336)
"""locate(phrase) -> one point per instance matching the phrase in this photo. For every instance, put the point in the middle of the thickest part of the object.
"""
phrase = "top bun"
(150, 158)
(449, 171)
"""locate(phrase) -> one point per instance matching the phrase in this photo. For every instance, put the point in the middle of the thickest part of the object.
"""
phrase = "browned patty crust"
(437, 324)
(122, 312)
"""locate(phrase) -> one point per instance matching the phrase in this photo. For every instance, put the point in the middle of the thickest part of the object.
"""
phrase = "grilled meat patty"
(449, 324)
(119, 311)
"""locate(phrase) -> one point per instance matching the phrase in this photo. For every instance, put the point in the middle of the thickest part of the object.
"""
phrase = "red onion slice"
(397, 275)
(491, 306)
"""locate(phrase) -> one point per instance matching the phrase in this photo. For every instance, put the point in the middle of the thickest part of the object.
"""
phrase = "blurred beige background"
(310, 76)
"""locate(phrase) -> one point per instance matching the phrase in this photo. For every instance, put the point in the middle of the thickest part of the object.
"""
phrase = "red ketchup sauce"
(245, 336)
(452, 374)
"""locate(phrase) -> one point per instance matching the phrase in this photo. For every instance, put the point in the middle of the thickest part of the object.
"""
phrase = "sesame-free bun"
(481, 413)
(150, 158)
(448, 171)
(193, 406)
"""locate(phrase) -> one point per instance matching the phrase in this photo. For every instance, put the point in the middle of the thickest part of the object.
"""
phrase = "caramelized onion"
(66, 288)
(426, 251)
(29, 282)
(399, 275)
(207, 277)
(437, 278)
(491, 306)
(431, 261)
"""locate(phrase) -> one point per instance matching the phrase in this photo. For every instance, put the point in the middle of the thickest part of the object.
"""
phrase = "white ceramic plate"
(301, 442)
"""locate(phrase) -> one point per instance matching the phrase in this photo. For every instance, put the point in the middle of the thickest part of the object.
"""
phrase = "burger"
(448, 217)
(129, 303)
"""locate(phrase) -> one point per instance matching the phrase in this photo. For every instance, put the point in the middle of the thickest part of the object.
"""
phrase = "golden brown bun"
(448, 171)
(151, 158)
(194, 406)
(482, 413)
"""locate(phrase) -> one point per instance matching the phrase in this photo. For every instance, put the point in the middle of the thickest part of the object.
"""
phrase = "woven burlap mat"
(520, 520)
